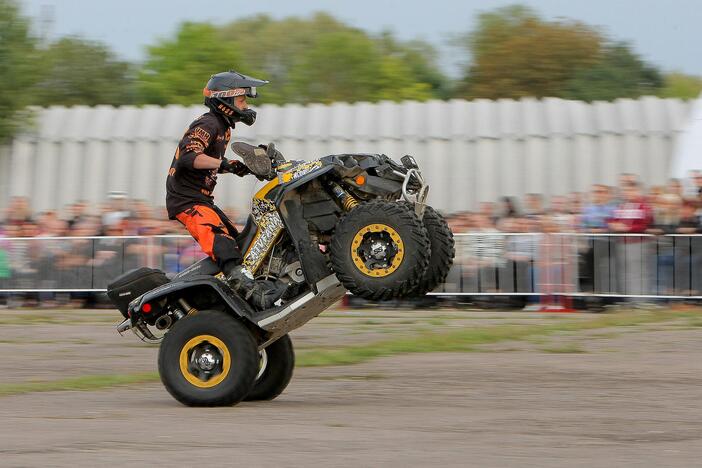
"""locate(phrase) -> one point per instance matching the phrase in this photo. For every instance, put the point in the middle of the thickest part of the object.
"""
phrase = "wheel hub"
(377, 250)
(205, 361)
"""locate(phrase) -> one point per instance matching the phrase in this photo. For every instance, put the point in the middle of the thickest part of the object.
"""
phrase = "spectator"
(534, 205)
(508, 208)
(594, 265)
(561, 216)
(598, 211)
(520, 251)
(486, 252)
(696, 177)
(555, 264)
(633, 216)
(487, 210)
(666, 221)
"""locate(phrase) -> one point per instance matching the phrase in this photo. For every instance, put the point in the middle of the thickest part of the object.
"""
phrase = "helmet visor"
(248, 92)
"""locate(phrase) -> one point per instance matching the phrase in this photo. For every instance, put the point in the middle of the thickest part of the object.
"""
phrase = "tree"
(18, 70)
(618, 73)
(420, 58)
(515, 54)
(348, 66)
(680, 85)
(77, 71)
(316, 60)
(176, 70)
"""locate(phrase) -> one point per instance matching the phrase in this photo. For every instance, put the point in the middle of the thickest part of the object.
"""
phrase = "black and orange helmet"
(221, 90)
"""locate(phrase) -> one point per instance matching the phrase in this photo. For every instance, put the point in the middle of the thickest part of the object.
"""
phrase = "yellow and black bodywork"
(293, 217)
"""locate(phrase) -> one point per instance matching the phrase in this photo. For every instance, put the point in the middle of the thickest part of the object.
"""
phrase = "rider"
(193, 176)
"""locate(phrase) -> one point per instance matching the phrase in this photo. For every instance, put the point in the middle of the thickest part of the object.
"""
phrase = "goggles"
(248, 92)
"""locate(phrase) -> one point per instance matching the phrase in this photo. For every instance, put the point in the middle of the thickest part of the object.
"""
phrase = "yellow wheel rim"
(190, 368)
(361, 239)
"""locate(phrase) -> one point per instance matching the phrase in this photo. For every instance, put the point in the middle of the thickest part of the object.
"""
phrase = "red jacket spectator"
(634, 215)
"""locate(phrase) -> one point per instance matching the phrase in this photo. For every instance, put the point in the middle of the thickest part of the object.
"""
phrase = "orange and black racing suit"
(189, 191)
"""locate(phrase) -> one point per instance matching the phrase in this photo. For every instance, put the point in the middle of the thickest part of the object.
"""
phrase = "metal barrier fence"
(487, 263)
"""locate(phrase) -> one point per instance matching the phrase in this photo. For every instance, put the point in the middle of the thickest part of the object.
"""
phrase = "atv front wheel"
(442, 252)
(380, 250)
(276, 366)
(208, 359)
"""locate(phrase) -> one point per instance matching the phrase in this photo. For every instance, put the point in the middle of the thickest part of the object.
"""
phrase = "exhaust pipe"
(124, 326)
(164, 322)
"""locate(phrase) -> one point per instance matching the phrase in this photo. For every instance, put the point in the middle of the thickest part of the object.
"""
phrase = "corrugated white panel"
(4, 181)
(389, 120)
(469, 150)
(581, 117)
(101, 121)
(51, 122)
(509, 118)
(461, 177)
(609, 158)
(21, 167)
(536, 169)
(462, 119)
(97, 168)
(607, 119)
(486, 122)
(557, 117)
(533, 116)
(487, 166)
(585, 170)
(45, 180)
(411, 119)
(69, 172)
(437, 120)
(558, 163)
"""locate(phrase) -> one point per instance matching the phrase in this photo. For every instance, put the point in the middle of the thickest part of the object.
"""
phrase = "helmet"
(221, 90)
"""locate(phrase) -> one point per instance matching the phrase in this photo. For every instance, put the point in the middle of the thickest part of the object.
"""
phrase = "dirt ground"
(625, 396)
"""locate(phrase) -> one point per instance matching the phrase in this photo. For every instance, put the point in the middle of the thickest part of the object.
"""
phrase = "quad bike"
(345, 222)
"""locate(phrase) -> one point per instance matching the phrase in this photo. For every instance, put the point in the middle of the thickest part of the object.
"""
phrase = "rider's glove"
(233, 166)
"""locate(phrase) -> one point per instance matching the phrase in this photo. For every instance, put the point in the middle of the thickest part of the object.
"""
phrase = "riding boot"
(262, 294)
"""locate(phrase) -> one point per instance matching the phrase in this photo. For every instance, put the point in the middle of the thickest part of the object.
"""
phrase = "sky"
(667, 34)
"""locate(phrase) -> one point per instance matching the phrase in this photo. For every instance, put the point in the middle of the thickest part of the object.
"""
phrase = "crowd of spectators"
(628, 207)
(518, 246)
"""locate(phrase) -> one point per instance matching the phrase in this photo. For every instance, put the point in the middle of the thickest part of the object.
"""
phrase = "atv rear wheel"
(276, 366)
(208, 359)
(442, 252)
(380, 250)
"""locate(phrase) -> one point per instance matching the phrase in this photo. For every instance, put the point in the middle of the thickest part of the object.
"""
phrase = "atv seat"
(244, 238)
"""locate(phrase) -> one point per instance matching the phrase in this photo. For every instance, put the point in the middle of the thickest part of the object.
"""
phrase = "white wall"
(470, 151)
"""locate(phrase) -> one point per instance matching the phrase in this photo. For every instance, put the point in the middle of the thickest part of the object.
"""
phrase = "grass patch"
(461, 340)
(88, 382)
(465, 340)
(570, 348)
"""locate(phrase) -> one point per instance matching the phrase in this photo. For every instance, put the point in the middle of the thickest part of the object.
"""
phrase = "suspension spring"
(346, 200)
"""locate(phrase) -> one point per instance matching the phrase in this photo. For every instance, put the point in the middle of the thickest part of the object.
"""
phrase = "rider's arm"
(202, 161)
(192, 147)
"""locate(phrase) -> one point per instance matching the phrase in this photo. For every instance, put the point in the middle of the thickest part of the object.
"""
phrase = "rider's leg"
(211, 229)
(208, 229)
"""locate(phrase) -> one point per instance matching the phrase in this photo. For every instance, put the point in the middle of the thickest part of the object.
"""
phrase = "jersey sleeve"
(194, 142)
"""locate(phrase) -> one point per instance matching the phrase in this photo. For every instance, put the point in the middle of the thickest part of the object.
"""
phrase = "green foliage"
(618, 73)
(18, 69)
(680, 85)
(322, 60)
(516, 54)
(77, 71)
(348, 66)
(177, 69)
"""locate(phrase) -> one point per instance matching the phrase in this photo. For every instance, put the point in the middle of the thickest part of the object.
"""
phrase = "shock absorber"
(345, 198)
